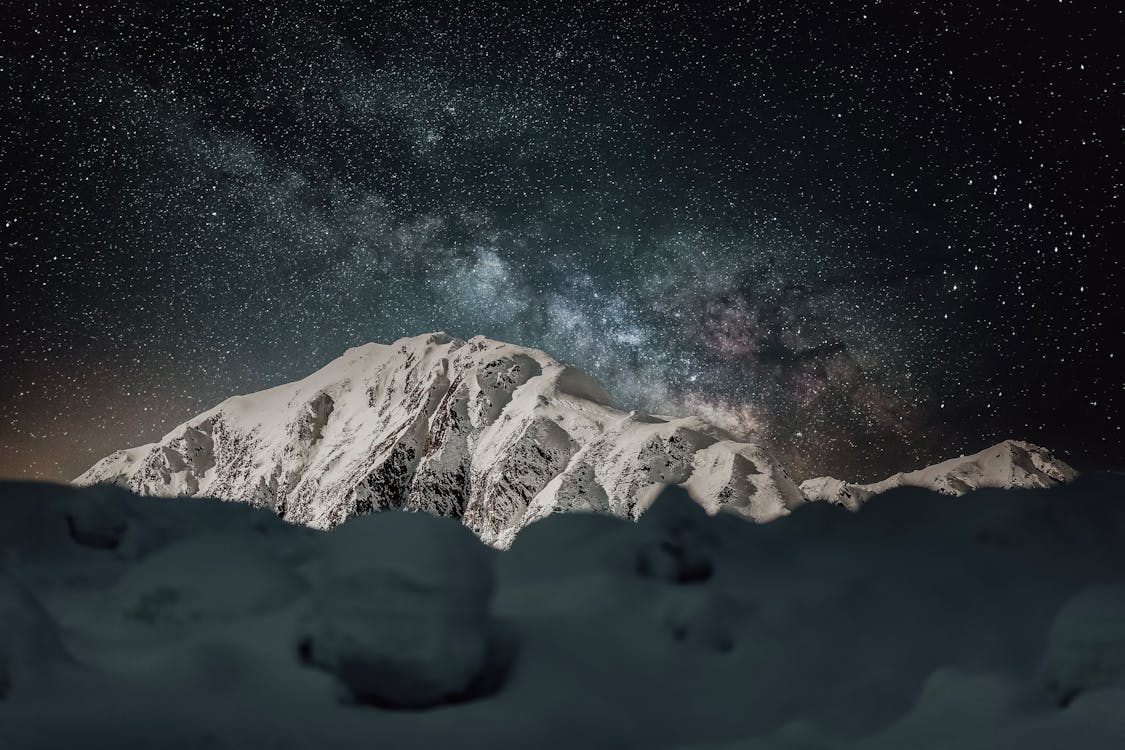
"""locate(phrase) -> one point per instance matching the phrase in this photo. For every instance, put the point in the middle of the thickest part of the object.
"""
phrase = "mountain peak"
(1006, 465)
(496, 434)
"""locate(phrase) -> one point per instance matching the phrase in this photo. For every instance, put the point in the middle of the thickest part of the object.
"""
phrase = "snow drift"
(913, 623)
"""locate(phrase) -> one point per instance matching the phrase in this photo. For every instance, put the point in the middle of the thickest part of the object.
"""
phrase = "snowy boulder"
(29, 638)
(400, 611)
(1086, 647)
(212, 577)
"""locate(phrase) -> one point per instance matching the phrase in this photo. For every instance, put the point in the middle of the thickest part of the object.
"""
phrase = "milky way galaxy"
(869, 237)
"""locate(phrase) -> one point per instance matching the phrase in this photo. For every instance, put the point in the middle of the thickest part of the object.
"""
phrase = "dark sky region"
(870, 235)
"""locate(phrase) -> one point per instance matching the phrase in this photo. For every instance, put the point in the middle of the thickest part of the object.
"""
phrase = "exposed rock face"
(494, 434)
(1007, 465)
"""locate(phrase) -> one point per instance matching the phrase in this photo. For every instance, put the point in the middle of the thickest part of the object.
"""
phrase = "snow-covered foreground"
(994, 620)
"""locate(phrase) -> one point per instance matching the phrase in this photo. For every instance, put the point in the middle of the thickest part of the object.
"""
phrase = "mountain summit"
(495, 434)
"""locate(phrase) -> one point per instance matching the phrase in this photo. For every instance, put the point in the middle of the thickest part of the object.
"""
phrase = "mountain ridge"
(1006, 465)
(495, 434)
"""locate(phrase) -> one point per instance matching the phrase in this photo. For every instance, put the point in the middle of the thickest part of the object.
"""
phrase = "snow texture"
(1087, 644)
(218, 575)
(29, 637)
(994, 622)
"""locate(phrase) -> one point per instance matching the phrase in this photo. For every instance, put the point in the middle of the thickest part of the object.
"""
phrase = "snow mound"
(211, 577)
(29, 639)
(97, 521)
(953, 703)
(681, 546)
(899, 626)
(494, 434)
(399, 612)
(1086, 647)
(1007, 465)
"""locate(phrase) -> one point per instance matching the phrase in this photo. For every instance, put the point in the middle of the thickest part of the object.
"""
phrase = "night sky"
(870, 235)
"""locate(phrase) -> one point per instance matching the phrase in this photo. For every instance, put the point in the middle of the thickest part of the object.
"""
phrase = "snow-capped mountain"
(495, 434)
(1007, 465)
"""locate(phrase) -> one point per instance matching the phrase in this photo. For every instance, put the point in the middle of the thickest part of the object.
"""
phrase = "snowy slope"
(495, 434)
(917, 623)
(1007, 465)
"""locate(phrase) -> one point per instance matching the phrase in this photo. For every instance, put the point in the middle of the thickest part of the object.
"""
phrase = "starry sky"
(870, 235)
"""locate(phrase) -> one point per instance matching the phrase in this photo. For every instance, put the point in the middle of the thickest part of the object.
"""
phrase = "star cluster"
(868, 235)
